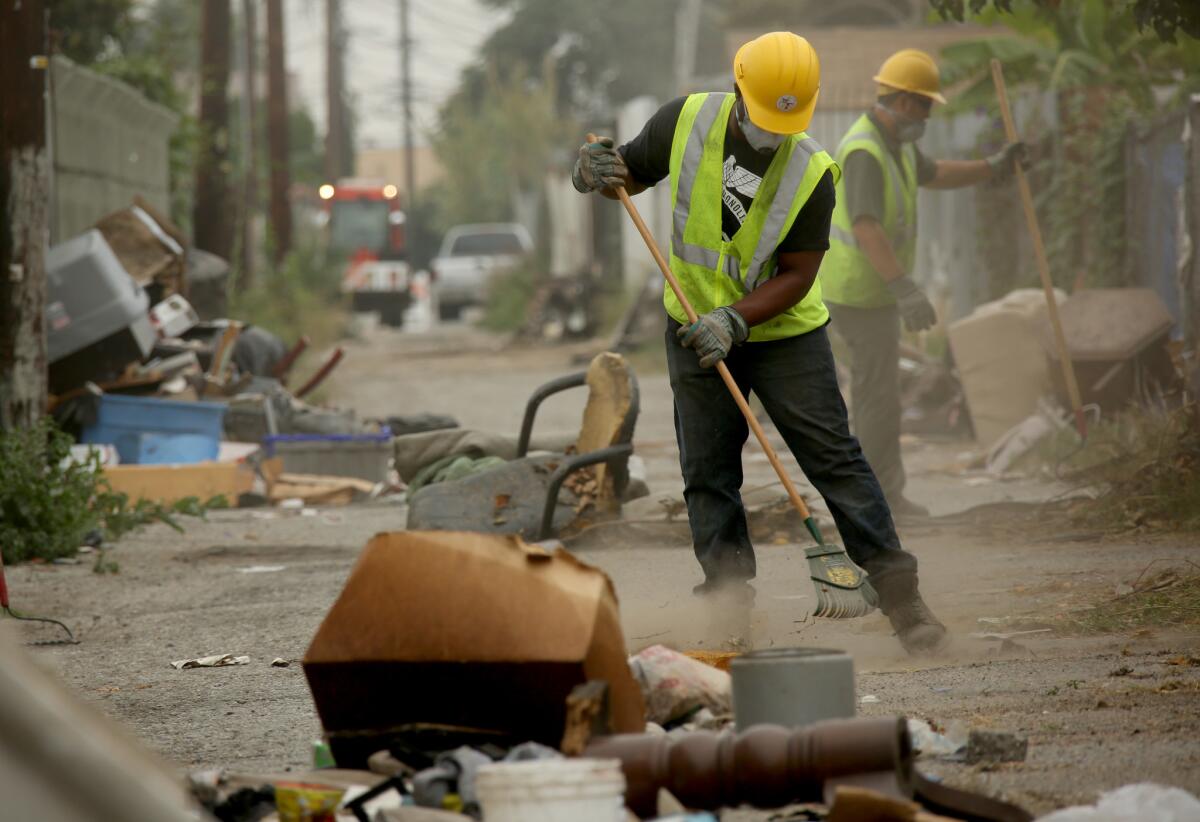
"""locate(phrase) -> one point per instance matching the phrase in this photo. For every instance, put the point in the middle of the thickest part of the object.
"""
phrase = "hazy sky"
(446, 35)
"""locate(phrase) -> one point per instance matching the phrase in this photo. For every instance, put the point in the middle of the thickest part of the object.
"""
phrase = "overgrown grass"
(300, 297)
(1147, 467)
(49, 503)
(1174, 606)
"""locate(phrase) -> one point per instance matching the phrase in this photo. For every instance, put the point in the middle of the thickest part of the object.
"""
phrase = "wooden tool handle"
(1039, 253)
(722, 369)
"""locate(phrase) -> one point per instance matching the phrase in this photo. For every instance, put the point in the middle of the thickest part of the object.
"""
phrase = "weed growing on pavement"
(1175, 604)
(49, 502)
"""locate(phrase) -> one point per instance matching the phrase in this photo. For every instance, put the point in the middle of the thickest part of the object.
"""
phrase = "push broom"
(842, 588)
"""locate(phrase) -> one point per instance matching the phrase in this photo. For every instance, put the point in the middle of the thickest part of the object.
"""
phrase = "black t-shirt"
(863, 178)
(649, 159)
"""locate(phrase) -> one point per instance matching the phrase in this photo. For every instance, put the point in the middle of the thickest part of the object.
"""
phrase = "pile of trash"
(178, 399)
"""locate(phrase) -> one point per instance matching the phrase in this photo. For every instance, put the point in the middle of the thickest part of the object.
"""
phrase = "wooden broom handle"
(1039, 253)
(722, 369)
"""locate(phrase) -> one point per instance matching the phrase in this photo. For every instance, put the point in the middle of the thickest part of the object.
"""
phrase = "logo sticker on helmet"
(785, 103)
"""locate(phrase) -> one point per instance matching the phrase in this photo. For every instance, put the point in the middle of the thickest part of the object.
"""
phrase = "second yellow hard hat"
(911, 70)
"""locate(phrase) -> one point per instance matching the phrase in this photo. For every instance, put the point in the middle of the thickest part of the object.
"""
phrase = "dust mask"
(761, 140)
(908, 130)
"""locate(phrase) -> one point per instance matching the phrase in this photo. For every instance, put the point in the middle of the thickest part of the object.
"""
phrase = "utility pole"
(335, 127)
(411, 236)
(212, 212)
(687, 32)
(24, 200)
(249, 142)
(277, 132)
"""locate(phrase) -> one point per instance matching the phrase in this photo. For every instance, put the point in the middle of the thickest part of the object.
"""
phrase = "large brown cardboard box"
(465, 630)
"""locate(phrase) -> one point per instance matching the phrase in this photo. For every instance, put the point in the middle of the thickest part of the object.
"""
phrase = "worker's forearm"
(775, 296)
(959, 173)
(874, 242)
(631, 185)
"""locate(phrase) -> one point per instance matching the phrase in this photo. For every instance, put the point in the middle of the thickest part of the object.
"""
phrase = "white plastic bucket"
(552, 790)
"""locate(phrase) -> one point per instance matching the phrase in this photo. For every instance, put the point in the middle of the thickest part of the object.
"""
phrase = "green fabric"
(451, 468)
(711, 271)
(847, 276)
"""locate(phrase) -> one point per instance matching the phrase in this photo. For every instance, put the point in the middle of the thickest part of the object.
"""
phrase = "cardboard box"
(170, 483)
(465, 630)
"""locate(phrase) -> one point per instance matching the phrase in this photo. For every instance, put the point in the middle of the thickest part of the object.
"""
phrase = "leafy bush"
(301, 296)
(45, 499)
(508, 297)
(49, 502)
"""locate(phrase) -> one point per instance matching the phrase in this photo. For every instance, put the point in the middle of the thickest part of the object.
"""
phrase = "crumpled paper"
(215, 661)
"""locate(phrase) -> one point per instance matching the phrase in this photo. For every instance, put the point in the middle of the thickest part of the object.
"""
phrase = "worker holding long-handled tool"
(866, 276)
(753, 198)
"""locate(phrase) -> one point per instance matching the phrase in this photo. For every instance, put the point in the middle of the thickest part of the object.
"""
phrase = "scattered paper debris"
(1005, 637)
(215, 661)
(869, 699)
(260, 569)
(928, 742)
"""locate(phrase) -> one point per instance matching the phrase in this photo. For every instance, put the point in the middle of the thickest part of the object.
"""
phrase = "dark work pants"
(796, 382)
(872, 336)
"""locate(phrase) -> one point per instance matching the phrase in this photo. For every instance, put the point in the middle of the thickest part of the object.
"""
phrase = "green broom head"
(842, 588)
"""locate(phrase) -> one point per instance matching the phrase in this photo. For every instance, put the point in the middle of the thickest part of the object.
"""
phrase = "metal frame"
(616, 455)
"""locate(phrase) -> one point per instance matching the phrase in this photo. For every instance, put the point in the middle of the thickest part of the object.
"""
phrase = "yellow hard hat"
(779, 77)
(910, 70)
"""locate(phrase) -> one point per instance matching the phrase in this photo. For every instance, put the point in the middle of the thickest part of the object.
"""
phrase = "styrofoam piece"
(551, 790)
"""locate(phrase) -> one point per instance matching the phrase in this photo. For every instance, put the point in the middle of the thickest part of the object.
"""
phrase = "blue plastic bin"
(152, 431)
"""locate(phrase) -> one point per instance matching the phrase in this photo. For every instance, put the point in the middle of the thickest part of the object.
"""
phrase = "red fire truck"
(365, 223)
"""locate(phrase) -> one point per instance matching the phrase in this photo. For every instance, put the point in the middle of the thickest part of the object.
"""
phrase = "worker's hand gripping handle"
(722, 369)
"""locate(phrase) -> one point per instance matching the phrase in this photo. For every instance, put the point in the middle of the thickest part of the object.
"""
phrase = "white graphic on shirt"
(739, 180)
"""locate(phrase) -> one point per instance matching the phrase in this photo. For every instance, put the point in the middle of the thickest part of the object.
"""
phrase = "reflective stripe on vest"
(713, 271)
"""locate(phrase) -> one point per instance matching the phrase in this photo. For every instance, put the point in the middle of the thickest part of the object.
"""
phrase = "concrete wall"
(108, 144)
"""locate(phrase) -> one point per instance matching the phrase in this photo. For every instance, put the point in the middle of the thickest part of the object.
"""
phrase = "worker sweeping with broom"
(752, 199)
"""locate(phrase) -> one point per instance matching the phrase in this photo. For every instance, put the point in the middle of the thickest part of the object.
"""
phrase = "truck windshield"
(469, 245)
(359, 225)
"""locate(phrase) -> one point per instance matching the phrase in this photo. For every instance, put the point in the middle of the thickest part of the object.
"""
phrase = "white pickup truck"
(471, 255)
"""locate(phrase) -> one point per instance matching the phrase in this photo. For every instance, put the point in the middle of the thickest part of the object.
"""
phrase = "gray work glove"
(914, 306)
(713, 334)
(599, 166)
(1005, 161)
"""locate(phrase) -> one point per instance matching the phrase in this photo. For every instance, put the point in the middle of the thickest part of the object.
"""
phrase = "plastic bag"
(1141, 802)
(675, 685)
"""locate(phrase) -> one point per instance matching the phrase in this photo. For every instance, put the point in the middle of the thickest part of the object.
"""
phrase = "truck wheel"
(449, 311)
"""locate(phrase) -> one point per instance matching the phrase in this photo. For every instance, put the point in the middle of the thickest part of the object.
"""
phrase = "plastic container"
(96, 320)
(552, 790)
(792, 687)
(365, 456)
(151, 431)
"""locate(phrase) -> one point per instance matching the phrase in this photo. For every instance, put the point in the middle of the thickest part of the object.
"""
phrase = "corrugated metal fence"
(109, 143)
(1161, 228)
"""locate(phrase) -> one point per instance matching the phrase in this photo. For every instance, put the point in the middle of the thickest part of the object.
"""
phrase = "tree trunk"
(24, 200)
(212, 212)
(277, 132)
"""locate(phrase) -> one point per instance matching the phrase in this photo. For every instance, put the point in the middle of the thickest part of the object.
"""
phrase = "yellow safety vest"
(847, 276)
(711, 271)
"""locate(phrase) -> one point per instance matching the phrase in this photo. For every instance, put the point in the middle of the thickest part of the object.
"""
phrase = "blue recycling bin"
(153, 431)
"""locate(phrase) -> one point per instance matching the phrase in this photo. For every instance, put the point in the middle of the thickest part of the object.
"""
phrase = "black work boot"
(918, 630)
